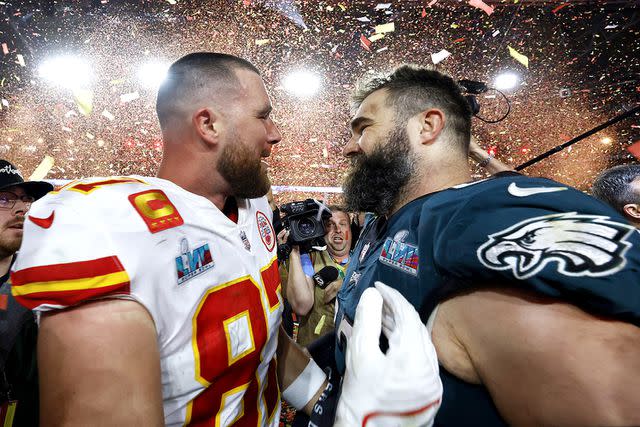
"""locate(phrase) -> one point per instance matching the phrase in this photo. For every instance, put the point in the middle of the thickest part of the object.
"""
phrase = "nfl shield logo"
(245, 240)
(265, 229)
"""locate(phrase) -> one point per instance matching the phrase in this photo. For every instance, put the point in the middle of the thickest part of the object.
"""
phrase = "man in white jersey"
(160, 297)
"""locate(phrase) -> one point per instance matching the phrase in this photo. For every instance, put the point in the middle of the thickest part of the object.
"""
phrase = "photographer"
(313, 283)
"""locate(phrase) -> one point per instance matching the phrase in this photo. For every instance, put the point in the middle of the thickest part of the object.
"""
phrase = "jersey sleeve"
(66, 256)
(562, 244)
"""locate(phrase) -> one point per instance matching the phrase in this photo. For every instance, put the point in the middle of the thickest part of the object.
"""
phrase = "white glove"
(401, 388)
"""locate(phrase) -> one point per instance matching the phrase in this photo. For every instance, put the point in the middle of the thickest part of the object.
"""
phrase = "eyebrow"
(359, 122)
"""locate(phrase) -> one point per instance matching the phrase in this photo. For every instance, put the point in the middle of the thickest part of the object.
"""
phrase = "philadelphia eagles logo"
(581, 245)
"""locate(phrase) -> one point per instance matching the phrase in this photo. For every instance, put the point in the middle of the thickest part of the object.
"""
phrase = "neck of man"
(437, 178)
(5, 263)
(339, 257)
(191, 174)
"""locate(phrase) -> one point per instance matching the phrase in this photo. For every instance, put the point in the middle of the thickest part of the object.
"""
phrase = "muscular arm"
(99, 365)
(543, 362)
(292, 360)
(299, 290)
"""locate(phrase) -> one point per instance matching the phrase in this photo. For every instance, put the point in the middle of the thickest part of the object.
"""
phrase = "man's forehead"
(373, 105)
(251, 84)
(338, 215)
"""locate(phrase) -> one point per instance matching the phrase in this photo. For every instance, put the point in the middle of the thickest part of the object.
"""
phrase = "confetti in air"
(71, 85)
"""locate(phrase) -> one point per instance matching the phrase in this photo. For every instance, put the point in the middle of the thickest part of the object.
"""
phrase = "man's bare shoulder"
(543, 361)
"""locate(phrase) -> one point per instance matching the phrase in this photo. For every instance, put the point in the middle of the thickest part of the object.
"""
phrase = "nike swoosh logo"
(43, 222)
(514, 190)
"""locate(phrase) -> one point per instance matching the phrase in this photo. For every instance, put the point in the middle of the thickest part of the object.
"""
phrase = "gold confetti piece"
(43, 169)
(262, 42)
(21, 60)
(341, 6)
(320, 324)
(455, 26)
(385, 28)
(519, 57)
(128, 97)
(171, 1)
(376, 37)
(107, 115)
(84, 101)
(117, 82)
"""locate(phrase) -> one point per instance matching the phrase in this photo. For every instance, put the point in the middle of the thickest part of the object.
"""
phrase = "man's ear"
(207, 124)
(632, 211)
(431, 125)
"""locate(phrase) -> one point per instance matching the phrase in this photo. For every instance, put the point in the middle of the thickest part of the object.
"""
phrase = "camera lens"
(306, 227)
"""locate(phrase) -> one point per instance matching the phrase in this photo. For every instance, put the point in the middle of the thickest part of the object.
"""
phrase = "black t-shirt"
(18, 358)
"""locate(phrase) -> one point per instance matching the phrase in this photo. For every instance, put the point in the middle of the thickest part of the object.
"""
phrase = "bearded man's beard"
(246, 176)
(376, 181)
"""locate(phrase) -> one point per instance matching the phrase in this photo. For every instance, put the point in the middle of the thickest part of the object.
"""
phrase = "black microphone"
(325, 276)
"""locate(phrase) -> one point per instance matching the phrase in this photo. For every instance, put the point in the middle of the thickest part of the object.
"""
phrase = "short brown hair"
(412, 89)
(194, 73)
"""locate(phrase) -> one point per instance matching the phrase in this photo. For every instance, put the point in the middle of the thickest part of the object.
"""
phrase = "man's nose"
(273, 133)
(352, 148)
(21, 207)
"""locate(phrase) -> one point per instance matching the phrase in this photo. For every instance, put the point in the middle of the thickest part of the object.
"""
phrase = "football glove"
(399, 388)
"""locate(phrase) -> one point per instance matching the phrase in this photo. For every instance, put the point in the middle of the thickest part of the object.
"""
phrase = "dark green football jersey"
(529, 233)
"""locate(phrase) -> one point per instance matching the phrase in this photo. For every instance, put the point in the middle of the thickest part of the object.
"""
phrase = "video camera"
(305, 222)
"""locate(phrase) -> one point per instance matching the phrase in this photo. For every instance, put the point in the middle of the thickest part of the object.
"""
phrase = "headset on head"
(471, 88)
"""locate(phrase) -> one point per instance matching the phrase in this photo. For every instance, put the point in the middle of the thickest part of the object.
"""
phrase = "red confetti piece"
(461, 39)
(482, 6)
(634, 149)
(365, 42)
(560, 7)
(424, 12)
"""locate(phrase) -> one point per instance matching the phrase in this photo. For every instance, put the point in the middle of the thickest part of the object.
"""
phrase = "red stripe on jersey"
(67, 271)
(71, 298)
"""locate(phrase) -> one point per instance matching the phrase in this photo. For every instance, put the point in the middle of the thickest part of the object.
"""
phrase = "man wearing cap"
(18, 330)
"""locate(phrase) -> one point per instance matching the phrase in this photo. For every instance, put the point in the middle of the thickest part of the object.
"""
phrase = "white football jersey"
(210, 284)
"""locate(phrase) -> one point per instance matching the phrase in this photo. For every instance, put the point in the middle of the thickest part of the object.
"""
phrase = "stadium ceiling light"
(152, 74)
(66, 71)
(302, 83)
(506, 81)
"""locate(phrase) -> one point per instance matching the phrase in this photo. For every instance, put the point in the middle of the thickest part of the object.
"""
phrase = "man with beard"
(313, 301)
(531, 288)
(619, 187)
(159, 297)
(18, 330)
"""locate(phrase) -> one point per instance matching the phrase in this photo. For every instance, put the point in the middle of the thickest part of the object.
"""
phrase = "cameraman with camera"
(314, 277)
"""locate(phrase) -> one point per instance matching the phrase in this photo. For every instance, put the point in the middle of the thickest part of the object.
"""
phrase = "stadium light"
(506, 81)
(66, 71)
(152, 74)
(302, 83)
